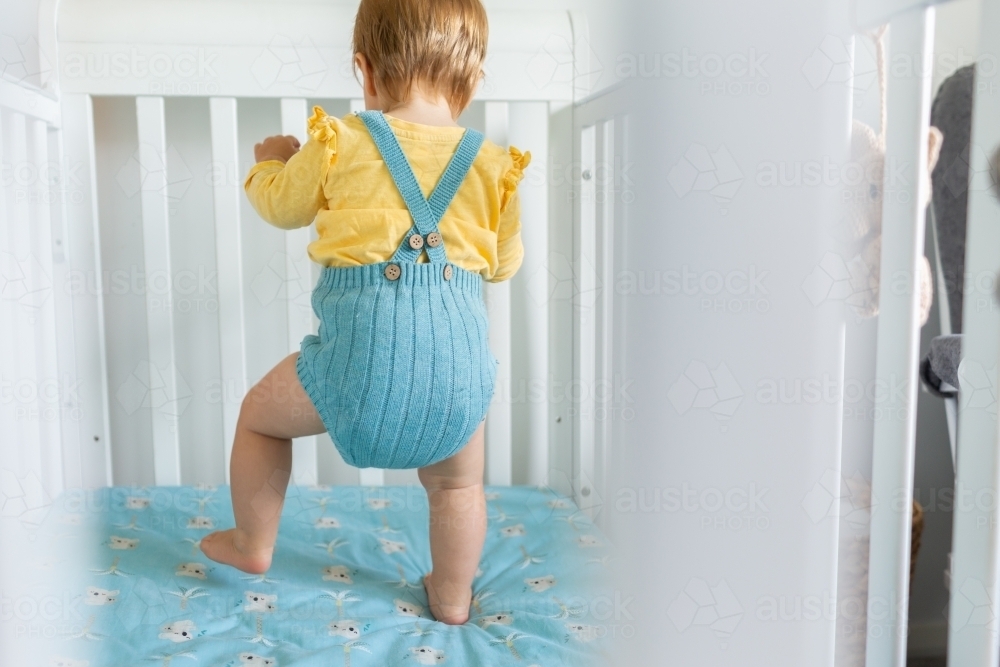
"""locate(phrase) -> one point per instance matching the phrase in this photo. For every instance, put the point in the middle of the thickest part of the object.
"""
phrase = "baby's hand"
(276, 148)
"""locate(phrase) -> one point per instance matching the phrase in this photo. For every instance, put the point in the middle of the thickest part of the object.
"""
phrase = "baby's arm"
(510, 251)
(285, 187)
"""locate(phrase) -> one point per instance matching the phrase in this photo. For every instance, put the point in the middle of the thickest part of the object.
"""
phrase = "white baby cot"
(165, 297)
(142, 295)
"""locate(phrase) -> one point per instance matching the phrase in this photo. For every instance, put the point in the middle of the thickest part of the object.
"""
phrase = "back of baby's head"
(437, 45)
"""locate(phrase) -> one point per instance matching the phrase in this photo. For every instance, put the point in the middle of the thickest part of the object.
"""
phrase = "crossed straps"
(426, 213)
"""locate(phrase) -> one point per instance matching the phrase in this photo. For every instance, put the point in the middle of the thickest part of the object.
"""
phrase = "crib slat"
(529, 130)
(83, 252)
(499, 421)
(898, 342)
(299, 283)
(26, 440)
(159, 316)
(46, 358)
(229, 265)
(586, 344)
(604, 398)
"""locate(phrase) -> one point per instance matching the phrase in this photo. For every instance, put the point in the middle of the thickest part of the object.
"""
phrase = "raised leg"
(457, 529)
(276, 410)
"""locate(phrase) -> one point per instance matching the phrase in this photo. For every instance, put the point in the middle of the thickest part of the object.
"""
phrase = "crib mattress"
(344, 587)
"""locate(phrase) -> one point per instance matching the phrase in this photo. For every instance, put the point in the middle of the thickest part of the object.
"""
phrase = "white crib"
(143, 296)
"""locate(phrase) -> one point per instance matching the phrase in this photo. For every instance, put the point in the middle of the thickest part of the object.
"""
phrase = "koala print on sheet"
(585, 541)
(541, 584)
(516, 530)
(496, 619)
(201, 523)
(425, 655)
(391, 547)
(122, 543)
(337, 573)
(259, 603)
(136, 503)
(258, 661)
(584, 633)
(408, 608)
(491, 495)
(327, 522)
(379, 503)
(347, 629)
(179, 631)
(97, 597)
(194, 570)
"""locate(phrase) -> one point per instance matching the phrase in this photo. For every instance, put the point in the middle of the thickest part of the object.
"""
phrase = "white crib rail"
(519, 320)
(146, 51)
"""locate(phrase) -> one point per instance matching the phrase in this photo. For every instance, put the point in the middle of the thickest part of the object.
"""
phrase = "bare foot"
(448, 605)
(225, 546)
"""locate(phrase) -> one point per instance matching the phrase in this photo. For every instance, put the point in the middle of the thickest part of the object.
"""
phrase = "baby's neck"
(424, 112)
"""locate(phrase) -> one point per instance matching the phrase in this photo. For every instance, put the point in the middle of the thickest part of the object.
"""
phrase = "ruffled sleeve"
(513, 175)
(322, 129)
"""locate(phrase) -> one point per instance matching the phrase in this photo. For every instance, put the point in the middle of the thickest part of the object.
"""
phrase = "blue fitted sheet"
(344, 587)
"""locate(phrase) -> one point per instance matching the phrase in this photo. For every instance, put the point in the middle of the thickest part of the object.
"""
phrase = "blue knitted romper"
(401, 372)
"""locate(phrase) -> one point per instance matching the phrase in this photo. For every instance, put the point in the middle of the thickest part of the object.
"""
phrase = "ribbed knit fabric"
(401, 372)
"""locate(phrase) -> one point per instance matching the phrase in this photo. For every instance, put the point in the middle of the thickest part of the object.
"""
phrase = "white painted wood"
(585, 344)
(975, 571)
(84, 257)
(162, 379)
(898, 343)
(26, 431)
(51, 383)
(607, 410)
(289, 49)
(371, 477)
(71, 449)
(528, 129)
(24, 99)
(298, 288)
(499, 420)
(229, 264)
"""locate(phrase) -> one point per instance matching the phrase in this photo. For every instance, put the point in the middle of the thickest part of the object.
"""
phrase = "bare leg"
(458, 529)
(276, 410)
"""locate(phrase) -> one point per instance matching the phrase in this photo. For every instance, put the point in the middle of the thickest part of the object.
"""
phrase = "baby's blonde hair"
(438, 45)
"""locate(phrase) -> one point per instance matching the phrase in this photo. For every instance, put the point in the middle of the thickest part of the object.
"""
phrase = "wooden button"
(416, 241)
(392, 272)
(433, 239)
(447, 272)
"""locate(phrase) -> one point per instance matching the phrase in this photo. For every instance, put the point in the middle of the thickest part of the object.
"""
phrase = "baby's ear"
(934, 141)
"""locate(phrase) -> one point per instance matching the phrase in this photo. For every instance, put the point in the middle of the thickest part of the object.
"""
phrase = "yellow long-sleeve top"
(339, 179)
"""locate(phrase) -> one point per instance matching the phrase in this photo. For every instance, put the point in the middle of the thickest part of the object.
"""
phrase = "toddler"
(400, 375)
